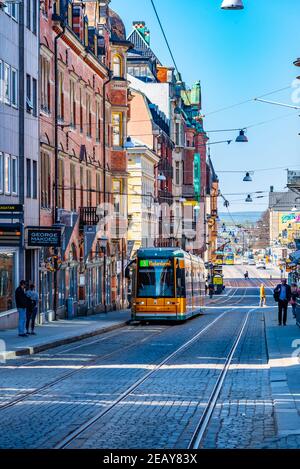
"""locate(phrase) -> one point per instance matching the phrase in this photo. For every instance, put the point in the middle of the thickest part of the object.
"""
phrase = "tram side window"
(180, 282)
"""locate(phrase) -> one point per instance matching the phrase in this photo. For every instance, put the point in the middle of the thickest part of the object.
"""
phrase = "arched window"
(117, 66)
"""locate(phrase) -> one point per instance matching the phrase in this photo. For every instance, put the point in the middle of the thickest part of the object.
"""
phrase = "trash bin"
(70, 308)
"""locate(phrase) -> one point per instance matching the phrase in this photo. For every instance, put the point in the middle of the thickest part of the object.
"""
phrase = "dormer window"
(117, 66)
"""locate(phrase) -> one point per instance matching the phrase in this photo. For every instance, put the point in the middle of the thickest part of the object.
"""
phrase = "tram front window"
(155, 279)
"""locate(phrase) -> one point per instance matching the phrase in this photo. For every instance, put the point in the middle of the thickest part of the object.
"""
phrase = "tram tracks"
(205, 418)
(78, 433)
(67, 375)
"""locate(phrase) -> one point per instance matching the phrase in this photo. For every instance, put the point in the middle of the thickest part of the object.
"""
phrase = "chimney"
(140, 26)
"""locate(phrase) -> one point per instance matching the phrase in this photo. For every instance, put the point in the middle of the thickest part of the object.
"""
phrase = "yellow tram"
(168, 284)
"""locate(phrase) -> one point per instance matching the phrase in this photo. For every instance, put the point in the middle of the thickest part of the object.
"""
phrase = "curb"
(31, 350)
(286, 413)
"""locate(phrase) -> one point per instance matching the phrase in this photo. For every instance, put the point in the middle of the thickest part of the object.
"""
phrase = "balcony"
(88, 217)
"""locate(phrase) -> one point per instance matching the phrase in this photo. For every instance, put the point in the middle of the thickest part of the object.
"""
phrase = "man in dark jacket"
(21, 304)
(283, 294)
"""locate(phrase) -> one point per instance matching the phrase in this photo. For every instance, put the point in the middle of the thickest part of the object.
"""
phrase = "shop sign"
(90, 232)
(44, 237)
(10, 234)
(15, 208)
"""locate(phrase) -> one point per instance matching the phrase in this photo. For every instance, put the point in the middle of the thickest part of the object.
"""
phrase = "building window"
(98, 122)
(72, 104)
(29, 106)
(88, 116)
(1, 80)
(98, 189)
(45, 181)
(177, 172)
(73, 186)
(45, 85)
(14, 175)
(117, 66)
(14, 11)
(60, 202)
(34, 179)
(34, 16)
(1, 172)
(34, 97)
(117, 129)
(28, 177)
(117, 195)
(7, 178)
(60, 96)
(81, 186)
(28, 14)
(80, 111)
(6, 84)
(89, 188)
(8, 279)
(14, 87)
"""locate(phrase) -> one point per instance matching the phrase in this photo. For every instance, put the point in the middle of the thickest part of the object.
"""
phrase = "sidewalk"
(60, 332)
(284, 360)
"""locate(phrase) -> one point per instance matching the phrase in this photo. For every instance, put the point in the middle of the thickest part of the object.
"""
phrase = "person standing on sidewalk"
(21, 304)
(295, 295)
(262, 295)
(32, 308)
(282, 294)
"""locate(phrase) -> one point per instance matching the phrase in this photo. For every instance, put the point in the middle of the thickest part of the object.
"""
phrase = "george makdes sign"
(44, 237)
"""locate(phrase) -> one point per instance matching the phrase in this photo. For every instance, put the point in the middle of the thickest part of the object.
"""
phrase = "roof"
(282, 201)
(118, 31)
(141, 47)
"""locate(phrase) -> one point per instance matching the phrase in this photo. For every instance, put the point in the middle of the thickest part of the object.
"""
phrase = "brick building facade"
(83, 161)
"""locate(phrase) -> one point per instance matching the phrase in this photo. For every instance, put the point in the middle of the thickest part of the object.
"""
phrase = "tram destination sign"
(44, 237)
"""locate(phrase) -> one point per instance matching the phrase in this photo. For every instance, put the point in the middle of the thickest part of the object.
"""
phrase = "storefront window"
(7, 280)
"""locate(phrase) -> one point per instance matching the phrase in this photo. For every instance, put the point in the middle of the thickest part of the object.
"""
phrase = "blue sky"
(237, 55)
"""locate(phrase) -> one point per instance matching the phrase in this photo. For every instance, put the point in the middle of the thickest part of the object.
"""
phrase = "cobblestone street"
(149, 386)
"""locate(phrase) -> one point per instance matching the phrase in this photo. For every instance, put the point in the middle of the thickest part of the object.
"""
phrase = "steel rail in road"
(67, 375)
(108, 336)
(203, 424)
(63, 444)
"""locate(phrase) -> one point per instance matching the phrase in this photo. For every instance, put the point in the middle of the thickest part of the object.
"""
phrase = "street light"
(242, 137)
(247, 178)
(232, 5)
(129, 143)
(161, 177)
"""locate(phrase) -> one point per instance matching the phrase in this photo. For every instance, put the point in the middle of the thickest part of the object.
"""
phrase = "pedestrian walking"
(282, 295)
(32, 309)
(21, 304)
(295, 295)
(262, 295)
(246, 274)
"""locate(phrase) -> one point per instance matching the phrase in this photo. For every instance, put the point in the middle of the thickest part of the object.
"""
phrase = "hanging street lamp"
(232, 5)
(241, 138)
(247, 178)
